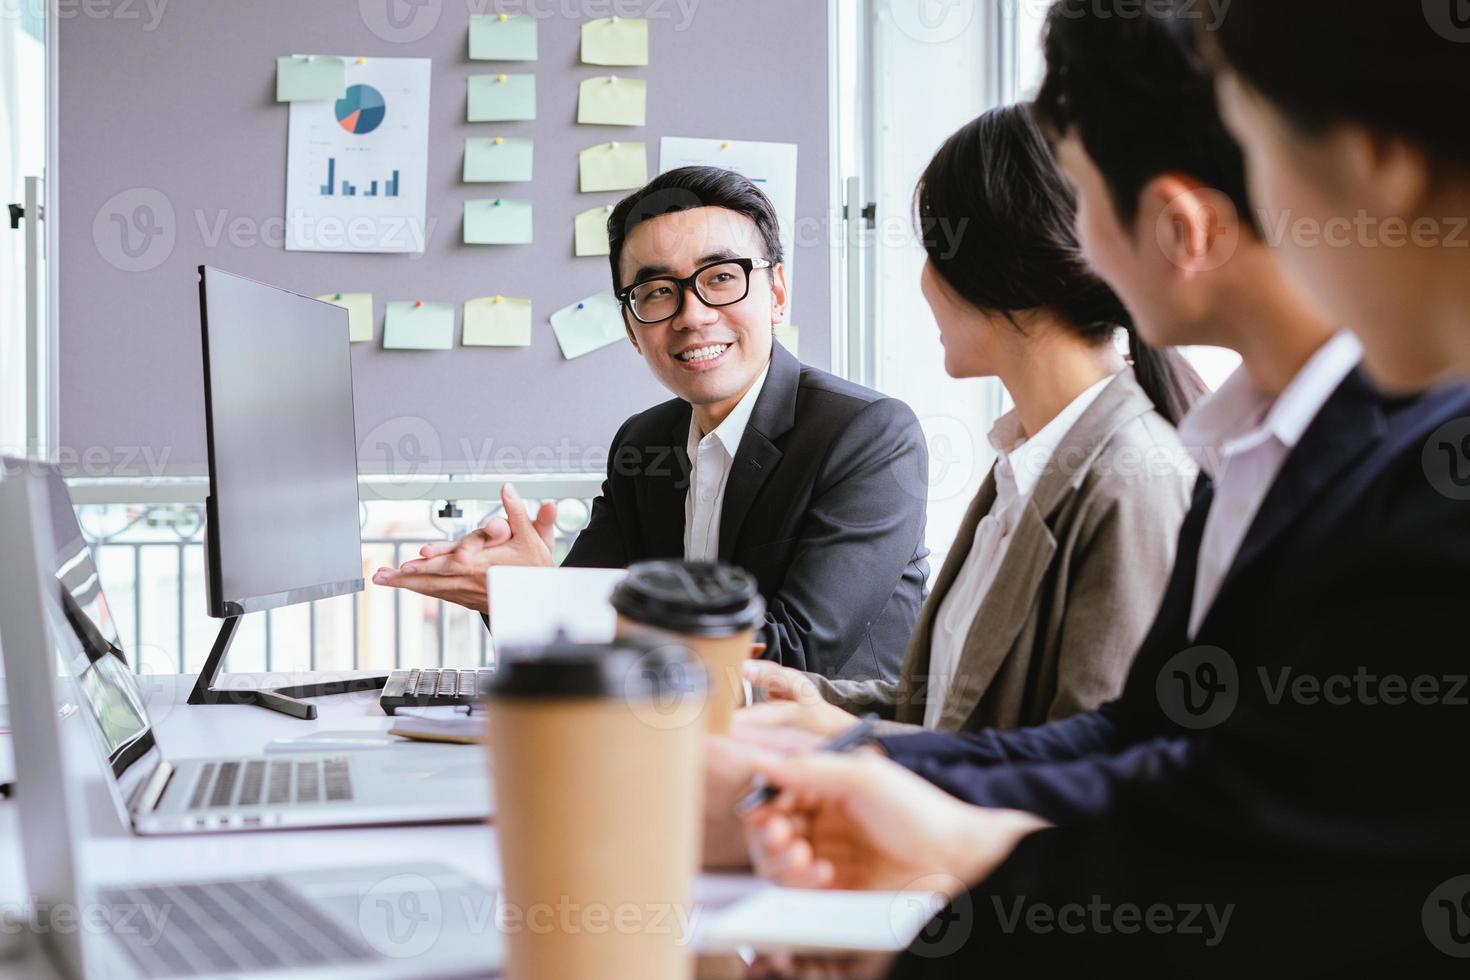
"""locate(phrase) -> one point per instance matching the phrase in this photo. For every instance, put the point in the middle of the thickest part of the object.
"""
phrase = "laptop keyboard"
(271, 782)
(225, 927)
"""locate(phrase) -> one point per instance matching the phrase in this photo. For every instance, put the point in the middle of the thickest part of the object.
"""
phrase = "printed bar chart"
(390, 186)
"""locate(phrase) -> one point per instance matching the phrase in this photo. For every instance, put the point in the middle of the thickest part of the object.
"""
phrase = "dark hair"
(1139, 92)
(687, 188)
(997, 220)
(1398, 67)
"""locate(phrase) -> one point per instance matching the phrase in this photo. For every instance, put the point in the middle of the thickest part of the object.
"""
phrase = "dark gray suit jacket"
(824, 506)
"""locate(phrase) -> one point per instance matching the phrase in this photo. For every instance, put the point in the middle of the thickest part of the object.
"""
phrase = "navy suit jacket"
(1324, 810)
(824, 505)
(1072, 769)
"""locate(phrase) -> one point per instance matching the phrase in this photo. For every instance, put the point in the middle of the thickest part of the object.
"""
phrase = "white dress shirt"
(1241, 438)
(1019, 464)
(710, 459)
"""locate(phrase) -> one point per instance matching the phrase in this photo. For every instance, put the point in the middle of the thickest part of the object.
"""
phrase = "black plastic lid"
(611, 671)
(690, 597)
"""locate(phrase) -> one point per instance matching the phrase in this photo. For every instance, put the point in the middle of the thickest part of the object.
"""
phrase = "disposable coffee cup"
(596, 754)
(711, 608)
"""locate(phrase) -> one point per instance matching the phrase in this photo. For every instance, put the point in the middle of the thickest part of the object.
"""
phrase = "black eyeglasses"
(721, 283)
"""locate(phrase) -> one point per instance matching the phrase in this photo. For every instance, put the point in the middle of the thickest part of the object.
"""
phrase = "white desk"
(112, 854)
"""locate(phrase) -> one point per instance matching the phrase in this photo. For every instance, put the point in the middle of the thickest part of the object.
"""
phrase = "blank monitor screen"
(283, 514)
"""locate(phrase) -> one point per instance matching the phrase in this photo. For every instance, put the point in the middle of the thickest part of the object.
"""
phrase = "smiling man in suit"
(813, 484)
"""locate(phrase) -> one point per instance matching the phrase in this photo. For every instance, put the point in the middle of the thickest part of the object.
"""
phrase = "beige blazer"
(1078, 586)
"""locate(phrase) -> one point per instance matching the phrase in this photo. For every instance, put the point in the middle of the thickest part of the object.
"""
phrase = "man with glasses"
(815, 485)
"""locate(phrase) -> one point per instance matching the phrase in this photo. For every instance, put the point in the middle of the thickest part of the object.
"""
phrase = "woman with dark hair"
(1060, 564)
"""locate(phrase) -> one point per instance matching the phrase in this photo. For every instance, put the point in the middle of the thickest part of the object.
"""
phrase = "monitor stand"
(282, 699)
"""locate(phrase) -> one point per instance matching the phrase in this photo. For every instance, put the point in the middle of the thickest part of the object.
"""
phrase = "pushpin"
(361, 60)
(499, 140)
(616, 18)
(498, 298)
(497, 202)
(725, 145)
(339, 297)
(609, 209)
(418, 303)
(613, 79)
(581, 305)
(504, 18)
(500, 78)
(613, 144)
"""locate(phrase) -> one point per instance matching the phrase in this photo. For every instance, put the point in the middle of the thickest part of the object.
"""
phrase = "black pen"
(762, 793)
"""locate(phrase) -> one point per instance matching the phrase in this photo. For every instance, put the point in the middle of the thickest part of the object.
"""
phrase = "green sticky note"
(418, 326)
(310, 79)
(591, 231)
(502, 98)
(588, 325)
(613, 166)
(497, 158)
(615, 41)
(789, 337)
(497, 321)
(502, 37)
(359, 308)
(612, 101)
(497, 221)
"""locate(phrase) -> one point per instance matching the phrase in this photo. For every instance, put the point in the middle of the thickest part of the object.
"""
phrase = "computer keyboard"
(262, 782)
(224, 927)
(426, 687)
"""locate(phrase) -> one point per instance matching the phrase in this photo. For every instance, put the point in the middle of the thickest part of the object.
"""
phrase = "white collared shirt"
(710, 458)
(1241, 438)
(1019, 464)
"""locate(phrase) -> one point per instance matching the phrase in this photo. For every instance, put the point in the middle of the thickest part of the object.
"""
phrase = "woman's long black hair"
(997, 219)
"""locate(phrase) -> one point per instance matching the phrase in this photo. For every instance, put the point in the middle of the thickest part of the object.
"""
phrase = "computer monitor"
(282, 512)
(283, 505)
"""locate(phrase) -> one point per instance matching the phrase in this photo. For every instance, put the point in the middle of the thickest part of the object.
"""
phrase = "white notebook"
(800, 921)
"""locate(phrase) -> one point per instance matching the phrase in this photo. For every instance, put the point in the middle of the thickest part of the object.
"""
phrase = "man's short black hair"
(1399, 67)
(1136, 87)
(685, 189)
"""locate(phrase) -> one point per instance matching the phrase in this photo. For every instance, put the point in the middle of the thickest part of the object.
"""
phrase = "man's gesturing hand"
(455, 570)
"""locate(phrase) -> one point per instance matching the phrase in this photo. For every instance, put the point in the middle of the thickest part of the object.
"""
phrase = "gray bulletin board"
(178, 111)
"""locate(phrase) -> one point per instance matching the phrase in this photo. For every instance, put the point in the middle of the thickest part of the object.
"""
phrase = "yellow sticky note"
(613, 166)
(502, 97)
(588, 325)
(788, 336)
(310, 79)
(497, 321)
(615, 41)
(497, 221)
(591, 231)
(497, 158)
(502, 37)
(612, 101)
(359, 308)
(415, 325)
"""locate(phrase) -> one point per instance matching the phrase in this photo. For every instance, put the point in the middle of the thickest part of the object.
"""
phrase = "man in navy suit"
(1271, 783)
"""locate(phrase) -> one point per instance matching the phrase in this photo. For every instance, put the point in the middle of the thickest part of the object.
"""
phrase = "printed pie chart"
(361, 109)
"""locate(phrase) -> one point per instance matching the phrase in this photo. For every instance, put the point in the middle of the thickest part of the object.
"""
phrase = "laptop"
(158, 795)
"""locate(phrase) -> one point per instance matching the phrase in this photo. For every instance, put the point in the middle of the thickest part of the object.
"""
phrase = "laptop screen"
(84, 627)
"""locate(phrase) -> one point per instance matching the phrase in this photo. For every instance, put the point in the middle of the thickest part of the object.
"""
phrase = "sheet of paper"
(770, 166)
(588, 325)
(359, 308)
(613, 166)
(797, 920)
(497, 221)
(529, 605)
(789, 338)
(609, 100)
(615, 41)
(492, 158)
(497, 321)
(357, 168)
(311, 79)
(502, 37)
(591, 231)
(502, 98)
(414, 325)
